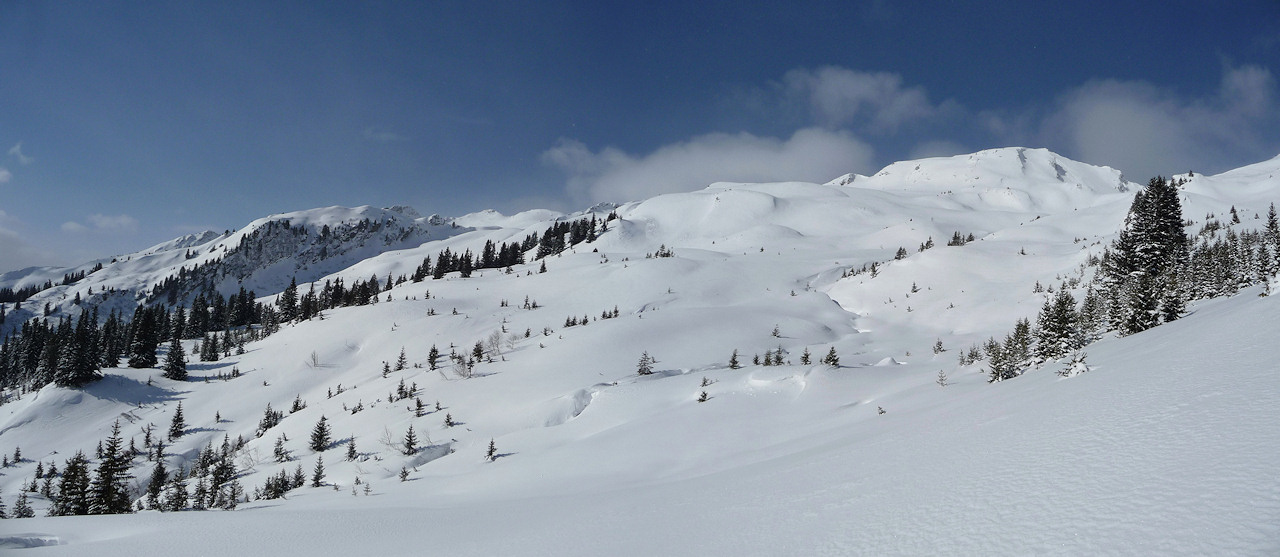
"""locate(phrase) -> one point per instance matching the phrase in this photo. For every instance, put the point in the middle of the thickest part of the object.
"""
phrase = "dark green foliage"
(832, 359)
(179, 424)
(1058, 330)
(109, 490)
(317, 474)
(410, 442)
(73, 488)
(159, 479)
(175, 362)
(645, 365)
(320, 436)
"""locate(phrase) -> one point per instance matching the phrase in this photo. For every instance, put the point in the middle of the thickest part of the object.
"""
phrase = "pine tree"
(402, 362)
(351, 449)
(1058, 330)
(410, 442)
(175, 493)
(645, 366)
(179, 425)
(805, 357)
(733, 360)
(159, 478)
(492, 453)
(832, 359)
(288, 301)
(73, 488)
(320, 435)
(432, 356)
(146, 336)
(317, 474)
(278, 451)
(175, 362)
(109, 490)
(22, 508)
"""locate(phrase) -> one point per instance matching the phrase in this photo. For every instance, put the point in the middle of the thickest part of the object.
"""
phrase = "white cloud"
(937, 148)
(811, 154)
(103, 223)
(123, 223)
(5, 175)
(839, 96)
(16, 151)
(1144, 130)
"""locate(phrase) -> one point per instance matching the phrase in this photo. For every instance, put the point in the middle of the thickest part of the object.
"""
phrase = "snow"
(1165, 446)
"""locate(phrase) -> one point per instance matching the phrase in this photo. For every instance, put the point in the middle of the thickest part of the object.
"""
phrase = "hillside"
(782, 459)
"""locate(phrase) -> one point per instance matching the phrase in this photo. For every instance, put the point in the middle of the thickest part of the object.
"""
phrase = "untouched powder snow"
(1165, 446)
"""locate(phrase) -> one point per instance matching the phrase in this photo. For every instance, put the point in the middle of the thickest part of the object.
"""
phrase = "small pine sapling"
(492, 453)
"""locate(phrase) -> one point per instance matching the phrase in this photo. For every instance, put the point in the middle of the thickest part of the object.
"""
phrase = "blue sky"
(124, 124)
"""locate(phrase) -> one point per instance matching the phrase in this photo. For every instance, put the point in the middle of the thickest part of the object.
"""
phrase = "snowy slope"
(791, 459)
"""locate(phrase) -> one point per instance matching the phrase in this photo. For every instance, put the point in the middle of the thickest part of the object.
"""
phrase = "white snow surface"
(1165, 446)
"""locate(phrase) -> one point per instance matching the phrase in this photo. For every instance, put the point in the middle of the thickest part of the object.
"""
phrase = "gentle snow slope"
(1167, 447)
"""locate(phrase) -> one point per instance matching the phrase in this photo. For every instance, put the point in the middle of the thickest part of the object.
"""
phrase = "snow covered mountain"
(1164, 446)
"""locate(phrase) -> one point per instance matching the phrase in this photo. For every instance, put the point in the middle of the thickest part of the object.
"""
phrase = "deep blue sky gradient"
(144, 120)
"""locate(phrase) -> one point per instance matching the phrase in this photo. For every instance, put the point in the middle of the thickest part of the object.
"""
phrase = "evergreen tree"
(288, 301)
(159, 479)
(175, 362)
(279, 452)
(492, 453)
(733, 360)
(73, 488)
(351, 449)
(645, 366)
(109, 490)
(432, 356)
(146, 336)
(320, 435)
(317, 474)
(179, 424)
(805, 357)
(1058, 327)
(175, 493)
(402, 362)
(22, 508)
(410, 442)
(832, 359)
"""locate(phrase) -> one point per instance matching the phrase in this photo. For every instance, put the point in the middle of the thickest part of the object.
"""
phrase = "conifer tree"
(175, 493)
(733, 360)
(317, 474)
(110, 486)
(645, 365)
(410, 442)
(159, 479)
(351, 449)
(175, 362)
(805, 357)
(492, 453)
(288, 301)
(179, 424)
(22, 508)
(832, 359)
(73, 488)
(320, 435)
